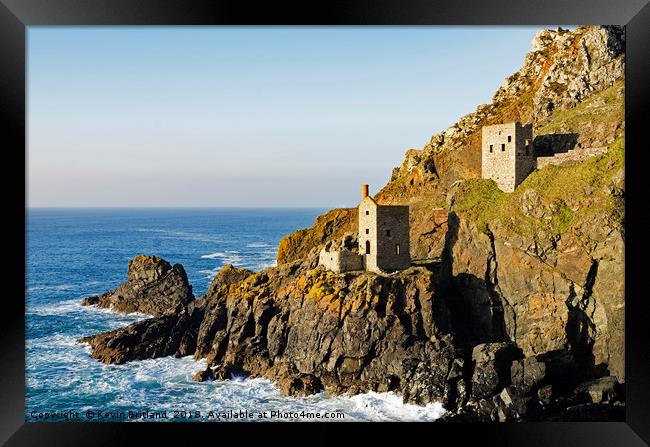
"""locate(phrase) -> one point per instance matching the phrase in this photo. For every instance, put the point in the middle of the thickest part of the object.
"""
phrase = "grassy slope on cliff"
(571, 193)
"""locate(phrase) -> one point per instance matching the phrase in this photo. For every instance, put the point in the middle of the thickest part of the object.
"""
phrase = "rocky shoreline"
(311, 330)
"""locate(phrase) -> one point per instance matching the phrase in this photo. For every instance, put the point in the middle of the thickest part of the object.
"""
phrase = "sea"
(74, 253)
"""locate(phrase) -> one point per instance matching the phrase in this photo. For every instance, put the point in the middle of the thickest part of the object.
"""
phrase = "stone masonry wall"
(498, 155)
(525, 161)
(368, 233)
(393, 232)
(340, 261)
(507, 154)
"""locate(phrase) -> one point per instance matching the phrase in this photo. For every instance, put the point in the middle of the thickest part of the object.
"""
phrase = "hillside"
(570, 87)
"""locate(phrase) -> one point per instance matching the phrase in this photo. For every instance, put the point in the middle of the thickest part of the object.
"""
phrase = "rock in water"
(153, 287)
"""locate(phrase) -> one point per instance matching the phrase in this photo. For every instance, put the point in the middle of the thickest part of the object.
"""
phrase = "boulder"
(153, 287)
(601, 390)
(526, 375)
(492, 363)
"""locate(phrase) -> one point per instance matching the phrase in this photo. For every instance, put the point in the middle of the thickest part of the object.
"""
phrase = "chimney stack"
(364, 191)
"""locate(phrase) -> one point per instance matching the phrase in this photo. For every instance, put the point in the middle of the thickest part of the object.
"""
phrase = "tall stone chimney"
(364, 191)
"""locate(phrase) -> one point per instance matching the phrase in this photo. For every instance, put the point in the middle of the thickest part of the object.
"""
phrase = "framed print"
(359, 212)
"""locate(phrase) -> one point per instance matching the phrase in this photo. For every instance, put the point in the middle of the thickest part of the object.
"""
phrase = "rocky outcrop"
(300, 325)
(311, 330)
(153, 287)
(330, 226)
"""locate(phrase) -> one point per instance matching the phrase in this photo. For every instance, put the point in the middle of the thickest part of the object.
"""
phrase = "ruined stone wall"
(340, 261)
(393, 252)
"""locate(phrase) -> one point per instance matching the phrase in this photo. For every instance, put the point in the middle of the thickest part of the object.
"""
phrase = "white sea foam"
(183, 235)
(258, 245)
(73, 305)
(53, 288)
(58, 308)
(166, 383)
(227, 257)
(389, 406)
(214, 255)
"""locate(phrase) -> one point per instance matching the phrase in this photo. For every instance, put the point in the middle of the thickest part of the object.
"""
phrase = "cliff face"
(544, 266)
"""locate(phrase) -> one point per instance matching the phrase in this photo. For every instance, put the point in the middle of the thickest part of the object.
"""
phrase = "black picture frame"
(16, 15)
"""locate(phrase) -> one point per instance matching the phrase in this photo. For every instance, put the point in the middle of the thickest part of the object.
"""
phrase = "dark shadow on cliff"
(580, 330)
(476, 310)
(554, 143)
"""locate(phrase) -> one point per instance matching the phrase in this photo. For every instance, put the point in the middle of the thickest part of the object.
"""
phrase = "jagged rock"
(434, 377)
(527, 374)
(492, 368)
(153, 287)
(544, 394)
(170, 334)
(205, 375)
(307, 330)
(228, 275)
(225, 371)
(601, 390)
(303, 385)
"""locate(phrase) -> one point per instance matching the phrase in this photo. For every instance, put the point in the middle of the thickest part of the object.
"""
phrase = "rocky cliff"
(153, 287)
(303, 326)
(514, 309)
(544, 266)
(558, 241)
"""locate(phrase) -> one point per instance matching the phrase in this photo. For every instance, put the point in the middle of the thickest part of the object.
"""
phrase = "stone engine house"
(507, 154)
(383, 240)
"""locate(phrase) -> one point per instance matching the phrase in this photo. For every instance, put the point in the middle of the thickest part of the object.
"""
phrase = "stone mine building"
(383, 240)
(508, 155)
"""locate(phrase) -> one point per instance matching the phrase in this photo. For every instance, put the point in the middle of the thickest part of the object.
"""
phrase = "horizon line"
(181, 207)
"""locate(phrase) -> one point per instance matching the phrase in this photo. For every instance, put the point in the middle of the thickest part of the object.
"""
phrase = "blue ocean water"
(74, 253)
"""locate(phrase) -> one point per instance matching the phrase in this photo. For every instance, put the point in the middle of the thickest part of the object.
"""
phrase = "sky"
(246, 116)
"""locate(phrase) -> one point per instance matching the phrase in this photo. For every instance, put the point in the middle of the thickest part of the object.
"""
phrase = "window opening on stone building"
(388, 233)
(367, 247)
(503, 147)
(397, 248)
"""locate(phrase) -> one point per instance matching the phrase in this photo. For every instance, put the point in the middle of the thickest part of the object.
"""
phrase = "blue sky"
(246, 116)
